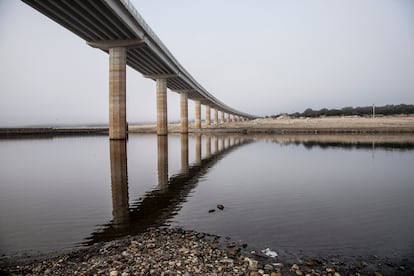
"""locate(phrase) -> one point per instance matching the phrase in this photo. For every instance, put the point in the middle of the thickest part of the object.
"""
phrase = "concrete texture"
(184, 112)
(117, 93)
(197, 105)
(162, 120)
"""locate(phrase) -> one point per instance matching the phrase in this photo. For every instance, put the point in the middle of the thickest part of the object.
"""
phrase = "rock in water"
(219, 206)
(269, 253)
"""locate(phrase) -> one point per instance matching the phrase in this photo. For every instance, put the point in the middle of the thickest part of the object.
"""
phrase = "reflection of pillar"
(162, 121)
(162, 162)
(208, 113)
(117, 93)
(216, 116)
(198, 148)
(228, 141)
(197, 114)
(184, 153)
(223, 145)
(222, 117)
(119, 183)
(215, 149)
(208, 146)
(184, 112)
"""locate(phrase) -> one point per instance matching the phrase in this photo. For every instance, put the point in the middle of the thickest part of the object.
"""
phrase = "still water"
(299, 195)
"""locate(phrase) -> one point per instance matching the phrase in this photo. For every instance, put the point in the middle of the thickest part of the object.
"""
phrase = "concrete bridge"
(114, 26)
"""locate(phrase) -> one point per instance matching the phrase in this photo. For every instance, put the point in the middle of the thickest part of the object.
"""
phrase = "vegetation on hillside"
(356, 111)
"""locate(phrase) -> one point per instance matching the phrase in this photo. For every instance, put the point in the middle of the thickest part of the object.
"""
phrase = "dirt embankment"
(343, 124)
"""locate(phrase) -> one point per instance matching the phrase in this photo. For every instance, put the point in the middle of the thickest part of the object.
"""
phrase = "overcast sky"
(257, 56)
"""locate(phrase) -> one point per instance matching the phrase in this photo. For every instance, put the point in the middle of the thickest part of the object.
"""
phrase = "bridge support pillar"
(184, 112)
(228, 117)
(222, 117)
(162, 120)
(215, 116)
(197, 115)
(117, 93)
(208, 115)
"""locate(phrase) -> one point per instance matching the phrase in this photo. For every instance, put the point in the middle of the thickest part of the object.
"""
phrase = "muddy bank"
(288, 125)
(175, 251)
(51, 131)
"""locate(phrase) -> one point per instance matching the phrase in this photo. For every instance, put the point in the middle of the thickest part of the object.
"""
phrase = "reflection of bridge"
(115, 27)
(161, 204)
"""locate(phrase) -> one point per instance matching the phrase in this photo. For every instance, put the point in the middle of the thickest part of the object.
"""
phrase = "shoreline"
(176, 251)
(397, 124)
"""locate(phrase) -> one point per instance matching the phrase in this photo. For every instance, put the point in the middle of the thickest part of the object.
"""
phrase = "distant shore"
(279, 125)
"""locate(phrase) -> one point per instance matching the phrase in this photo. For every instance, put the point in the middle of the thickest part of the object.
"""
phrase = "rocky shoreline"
(175, 251)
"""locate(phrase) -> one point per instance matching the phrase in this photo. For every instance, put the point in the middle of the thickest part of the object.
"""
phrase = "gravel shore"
(175, 251)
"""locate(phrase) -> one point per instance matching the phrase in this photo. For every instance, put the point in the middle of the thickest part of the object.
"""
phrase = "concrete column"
(162, 121)
(184, 153)
(228, 118)
(117, 93)
(208, 146)
(216, 116)
(197, 114)
(222, 117)
(119, 183)
(162, 149)
(184, 112)
(198, 149)
(208, 113)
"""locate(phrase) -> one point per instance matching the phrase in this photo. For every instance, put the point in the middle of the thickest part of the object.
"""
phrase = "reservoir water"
(300, 195)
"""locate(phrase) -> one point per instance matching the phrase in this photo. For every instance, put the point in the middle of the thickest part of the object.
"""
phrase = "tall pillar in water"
(215, 116)
(208, 146)
(162, 120)
(222, 117)
(228, 117)
(197, 114)
(119, 183)
(117, 93)
(184, 153)
(184, 111)
(162, 147)
(198, 149)
(208, 114)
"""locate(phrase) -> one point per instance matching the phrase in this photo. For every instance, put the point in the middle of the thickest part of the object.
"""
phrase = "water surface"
(302, 195)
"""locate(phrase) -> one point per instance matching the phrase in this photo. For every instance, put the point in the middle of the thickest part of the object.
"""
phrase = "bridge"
(115, 27)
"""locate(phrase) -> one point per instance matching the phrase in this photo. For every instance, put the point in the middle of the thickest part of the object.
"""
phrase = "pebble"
(175, 251)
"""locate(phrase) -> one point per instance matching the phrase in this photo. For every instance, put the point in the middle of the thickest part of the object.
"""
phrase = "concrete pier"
(117, 93)
(162, 120)
(119, 183)
(162, 149)
(197, 114)
(222, 117)
(216, 116)
(208, 115)
(184, 112)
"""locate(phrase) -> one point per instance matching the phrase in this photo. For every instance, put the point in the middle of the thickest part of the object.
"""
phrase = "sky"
(261, 57)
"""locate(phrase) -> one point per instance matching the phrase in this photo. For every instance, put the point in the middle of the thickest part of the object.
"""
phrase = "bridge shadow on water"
(157, 206)
(161, 204)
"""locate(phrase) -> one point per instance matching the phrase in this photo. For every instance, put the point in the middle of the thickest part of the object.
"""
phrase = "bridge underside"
(114, 26)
